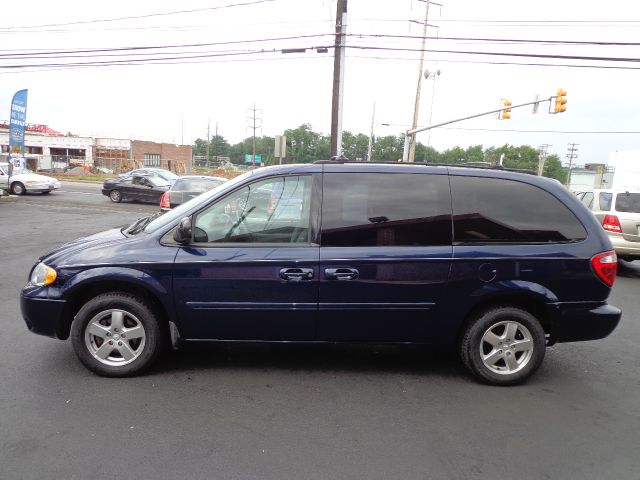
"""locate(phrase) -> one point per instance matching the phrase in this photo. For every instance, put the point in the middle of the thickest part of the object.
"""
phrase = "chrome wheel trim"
(17, 188)
(506, 347)
(115, 195)
(115, 337)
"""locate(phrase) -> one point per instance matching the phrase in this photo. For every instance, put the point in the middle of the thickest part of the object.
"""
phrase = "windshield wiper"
(139, 224)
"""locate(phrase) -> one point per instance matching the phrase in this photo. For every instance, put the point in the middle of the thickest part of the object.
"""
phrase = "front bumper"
(42, 187)
(583, 321)
(44, 316)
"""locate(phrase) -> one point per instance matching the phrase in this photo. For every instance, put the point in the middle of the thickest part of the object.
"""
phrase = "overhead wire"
(137, 17)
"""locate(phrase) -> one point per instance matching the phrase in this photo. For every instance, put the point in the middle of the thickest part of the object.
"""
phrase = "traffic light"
(505, 114)
(561, 101)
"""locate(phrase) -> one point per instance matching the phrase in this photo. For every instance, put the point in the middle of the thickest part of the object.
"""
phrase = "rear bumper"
(579, 322)
(44, 316)
(625, 247)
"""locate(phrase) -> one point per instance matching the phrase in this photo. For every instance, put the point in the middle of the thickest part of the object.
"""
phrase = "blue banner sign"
(17, 121)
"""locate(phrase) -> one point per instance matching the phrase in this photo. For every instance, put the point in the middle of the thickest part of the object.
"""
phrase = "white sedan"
(26, 181)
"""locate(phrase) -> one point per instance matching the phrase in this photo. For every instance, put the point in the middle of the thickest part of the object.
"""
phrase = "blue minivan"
(499, 263)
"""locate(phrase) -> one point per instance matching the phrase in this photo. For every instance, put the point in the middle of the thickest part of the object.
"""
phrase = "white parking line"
(79, 193)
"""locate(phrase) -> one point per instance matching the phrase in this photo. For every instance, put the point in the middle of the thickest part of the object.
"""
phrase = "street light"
(434, 75)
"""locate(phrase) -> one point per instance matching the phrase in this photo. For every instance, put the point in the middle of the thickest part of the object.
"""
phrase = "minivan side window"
(490, 210)
(275, 210)
(604, 199)
(373, 209)
(588, 200)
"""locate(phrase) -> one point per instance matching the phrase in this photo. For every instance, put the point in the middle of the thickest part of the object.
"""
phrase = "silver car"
(619, 215)
(25, 181)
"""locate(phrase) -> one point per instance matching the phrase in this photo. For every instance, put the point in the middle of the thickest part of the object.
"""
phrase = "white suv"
(619, 214)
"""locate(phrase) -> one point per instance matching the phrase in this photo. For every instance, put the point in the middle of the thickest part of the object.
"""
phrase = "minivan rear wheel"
(116, 335)
(503, 345)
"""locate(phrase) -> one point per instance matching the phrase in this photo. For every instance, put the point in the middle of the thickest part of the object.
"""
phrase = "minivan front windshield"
(182, 210)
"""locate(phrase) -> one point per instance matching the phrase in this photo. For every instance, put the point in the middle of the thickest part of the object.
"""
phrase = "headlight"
(43, 275)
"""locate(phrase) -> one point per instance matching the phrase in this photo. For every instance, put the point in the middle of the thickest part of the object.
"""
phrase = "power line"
(589, 132)
(158, 47)
(506, 54)
(486, 62)
(496, 40)
(586, 132)
(135, 17)
(482, 21)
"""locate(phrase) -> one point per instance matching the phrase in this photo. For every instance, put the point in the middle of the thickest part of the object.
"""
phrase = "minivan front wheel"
(503, 345)
(116, 335)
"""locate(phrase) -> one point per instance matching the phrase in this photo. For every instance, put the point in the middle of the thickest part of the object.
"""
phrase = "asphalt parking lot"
(278, 412)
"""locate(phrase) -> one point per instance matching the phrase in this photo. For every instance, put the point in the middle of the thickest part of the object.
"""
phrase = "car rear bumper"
(575, 322)
(44, 316)
(625, 247)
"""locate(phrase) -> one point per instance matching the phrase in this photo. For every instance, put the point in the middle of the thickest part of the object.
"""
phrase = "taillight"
(165, 200)
(611, 224)
(605, 266)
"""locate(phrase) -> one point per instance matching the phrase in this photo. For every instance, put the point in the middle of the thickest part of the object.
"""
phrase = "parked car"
(619, 214)
(143, 188)
(501, 264)
(167, 175)
(26, 181)
(187, 187)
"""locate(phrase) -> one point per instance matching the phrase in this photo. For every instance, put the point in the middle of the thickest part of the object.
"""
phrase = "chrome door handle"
(341, 273)
(296, 274)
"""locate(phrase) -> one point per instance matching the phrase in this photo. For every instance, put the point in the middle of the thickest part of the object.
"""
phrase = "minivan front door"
(252, 271)
(385, 254)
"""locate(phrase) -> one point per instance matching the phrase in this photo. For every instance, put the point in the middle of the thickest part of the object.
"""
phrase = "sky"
(173, 94)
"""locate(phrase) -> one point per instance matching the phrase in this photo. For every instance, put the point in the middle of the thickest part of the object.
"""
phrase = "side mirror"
(183, 233)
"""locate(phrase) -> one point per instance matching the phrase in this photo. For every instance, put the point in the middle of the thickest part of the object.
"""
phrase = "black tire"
(493, 357)
(17, 188)
(115, 196)
(101, 313)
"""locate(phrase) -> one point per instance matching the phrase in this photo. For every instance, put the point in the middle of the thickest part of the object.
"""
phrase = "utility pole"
(416, 106)
(542, 157)
(338, 78)
(216, 144)
(571, 155)
(369, 148)
(254, 127)
(208, 143)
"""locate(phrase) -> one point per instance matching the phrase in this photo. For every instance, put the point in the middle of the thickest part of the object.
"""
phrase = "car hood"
(108, 237)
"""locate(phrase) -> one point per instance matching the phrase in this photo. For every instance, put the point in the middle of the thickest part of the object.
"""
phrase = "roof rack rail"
(480, 165)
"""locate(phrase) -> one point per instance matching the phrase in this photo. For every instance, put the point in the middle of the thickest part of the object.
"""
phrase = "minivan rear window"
(491, 210)
(628, 202)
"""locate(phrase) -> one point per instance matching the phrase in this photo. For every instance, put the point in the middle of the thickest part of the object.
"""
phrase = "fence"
(67, 163)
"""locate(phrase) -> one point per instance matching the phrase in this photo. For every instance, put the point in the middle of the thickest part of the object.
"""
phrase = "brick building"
(47, 149)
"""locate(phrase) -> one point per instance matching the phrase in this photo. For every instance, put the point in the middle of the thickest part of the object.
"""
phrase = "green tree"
(355, 147)
(427, 154)
(388, 148)
(553, 169)
(304, 145)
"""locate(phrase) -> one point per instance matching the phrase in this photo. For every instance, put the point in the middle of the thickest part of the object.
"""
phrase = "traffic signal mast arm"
(409, 133)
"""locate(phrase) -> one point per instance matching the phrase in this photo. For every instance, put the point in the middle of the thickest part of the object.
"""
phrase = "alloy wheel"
(115, 337)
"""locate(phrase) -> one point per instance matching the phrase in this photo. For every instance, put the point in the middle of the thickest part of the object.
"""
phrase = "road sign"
(248, 158)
